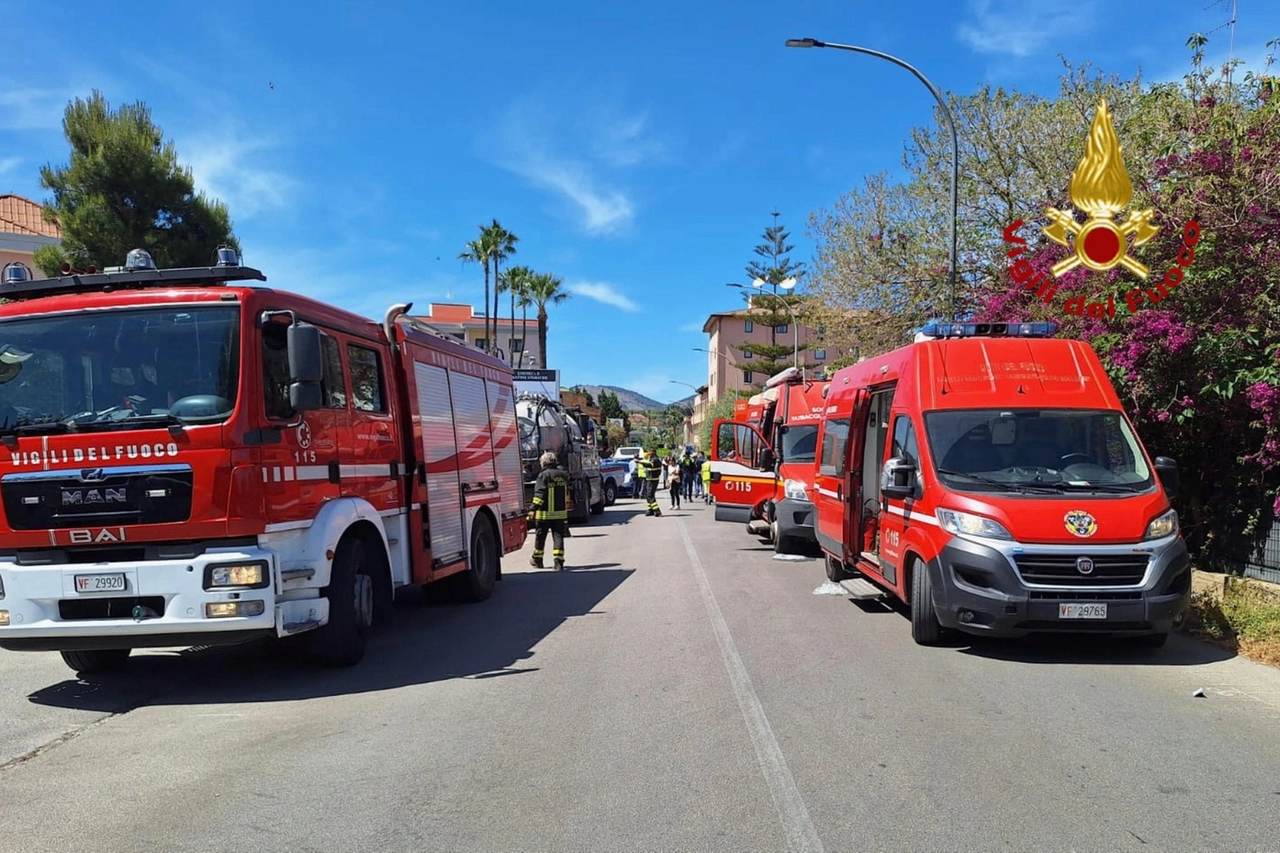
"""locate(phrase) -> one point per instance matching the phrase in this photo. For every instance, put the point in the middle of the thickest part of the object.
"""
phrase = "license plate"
(100, 583)
(1082, 611)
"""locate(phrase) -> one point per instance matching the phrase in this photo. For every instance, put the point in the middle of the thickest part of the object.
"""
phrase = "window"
(747, 354)
(746, 376)
(782, 330)
(275, 371)
(482, 343)
(834, 441)
(819, 355)
(367, 389)
(334, 385)
(748, 327)
(904, 440)
(516, 344)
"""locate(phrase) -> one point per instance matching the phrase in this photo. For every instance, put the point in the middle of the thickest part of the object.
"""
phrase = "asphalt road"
(678, 689)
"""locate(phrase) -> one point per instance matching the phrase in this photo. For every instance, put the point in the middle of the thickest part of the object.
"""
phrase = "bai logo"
(1101, 189)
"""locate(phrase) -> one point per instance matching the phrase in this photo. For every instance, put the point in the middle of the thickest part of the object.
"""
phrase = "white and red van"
(763, 461)
(987, 476)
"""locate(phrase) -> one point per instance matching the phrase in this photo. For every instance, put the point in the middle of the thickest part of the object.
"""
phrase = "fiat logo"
(1084, 565)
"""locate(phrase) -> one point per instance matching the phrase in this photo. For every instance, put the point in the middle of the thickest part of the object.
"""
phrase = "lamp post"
(951, 125)
(721, 353)
(758, 284)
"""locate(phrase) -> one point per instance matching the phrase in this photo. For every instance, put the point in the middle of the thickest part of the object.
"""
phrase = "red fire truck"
(191, 460)
(987, 476)
(763, 461)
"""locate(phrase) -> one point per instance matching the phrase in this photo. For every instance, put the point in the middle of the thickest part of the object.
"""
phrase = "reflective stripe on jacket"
(551, 495)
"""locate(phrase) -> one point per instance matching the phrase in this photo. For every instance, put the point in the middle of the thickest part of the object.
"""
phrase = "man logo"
(1084, 565)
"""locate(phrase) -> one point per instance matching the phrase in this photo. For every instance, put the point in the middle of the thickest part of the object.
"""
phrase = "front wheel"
(926, 630)
(610, 493)
(836, 570)
(341, 641)
(94, 661)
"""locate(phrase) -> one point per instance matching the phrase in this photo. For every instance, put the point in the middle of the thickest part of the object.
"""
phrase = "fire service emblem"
(1080, 523)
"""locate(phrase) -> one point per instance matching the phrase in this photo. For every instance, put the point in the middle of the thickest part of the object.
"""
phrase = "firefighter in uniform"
(550, 511)
(651, 468)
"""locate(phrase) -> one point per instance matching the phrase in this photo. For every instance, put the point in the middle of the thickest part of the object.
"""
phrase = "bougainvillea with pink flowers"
(1200, 370)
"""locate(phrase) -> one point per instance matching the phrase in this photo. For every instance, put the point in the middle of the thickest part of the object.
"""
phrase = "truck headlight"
(1165, 524)
(794, 490)
(967, 524)
(250, 575)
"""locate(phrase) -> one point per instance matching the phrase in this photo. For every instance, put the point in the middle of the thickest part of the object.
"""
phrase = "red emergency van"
(189, 460)
(987, 476)
(771, 491)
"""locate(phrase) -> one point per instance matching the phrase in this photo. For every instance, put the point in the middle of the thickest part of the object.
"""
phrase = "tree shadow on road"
(426, 644)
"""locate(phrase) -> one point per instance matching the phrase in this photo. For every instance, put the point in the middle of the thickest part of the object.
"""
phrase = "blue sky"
(637, 149)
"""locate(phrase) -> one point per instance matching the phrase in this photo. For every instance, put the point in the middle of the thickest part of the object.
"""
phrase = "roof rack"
(16, 288)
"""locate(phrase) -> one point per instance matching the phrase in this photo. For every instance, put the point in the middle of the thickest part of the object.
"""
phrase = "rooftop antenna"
(1230, 25)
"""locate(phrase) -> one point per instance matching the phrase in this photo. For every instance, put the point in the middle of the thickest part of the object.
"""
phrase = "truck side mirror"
(898, 479)
(767, 459)
(306, 367)
(1167, 471)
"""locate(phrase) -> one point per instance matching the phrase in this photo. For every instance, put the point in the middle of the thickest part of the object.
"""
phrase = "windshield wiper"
(988, 481)
(1111, 488)
(38, 428)
(137, 422)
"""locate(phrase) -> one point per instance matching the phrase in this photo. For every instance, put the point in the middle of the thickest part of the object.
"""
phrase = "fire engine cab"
(188, 459)
(763, 461)
(987, 476)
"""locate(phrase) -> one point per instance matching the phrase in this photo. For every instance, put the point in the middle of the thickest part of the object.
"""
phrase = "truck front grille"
(1064, 569)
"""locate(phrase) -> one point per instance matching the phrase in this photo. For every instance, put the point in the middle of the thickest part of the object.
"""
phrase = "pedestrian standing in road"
(706, 481)
(688, 473)
(651, 469)
(699, 461)
(550, 511)
(677, 488)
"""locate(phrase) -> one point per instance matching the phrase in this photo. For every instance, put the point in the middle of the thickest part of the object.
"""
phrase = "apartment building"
(23, 230)
(728, 366)
(465, 323)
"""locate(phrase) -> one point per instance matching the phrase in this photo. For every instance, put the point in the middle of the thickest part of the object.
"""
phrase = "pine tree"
(768, 306)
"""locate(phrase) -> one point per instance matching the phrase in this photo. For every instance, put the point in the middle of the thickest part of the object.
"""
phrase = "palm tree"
(515, 281)
(545, 289)
(480, 251)
(502, 246)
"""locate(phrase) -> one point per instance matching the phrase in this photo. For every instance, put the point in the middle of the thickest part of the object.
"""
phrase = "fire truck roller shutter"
(311, 547)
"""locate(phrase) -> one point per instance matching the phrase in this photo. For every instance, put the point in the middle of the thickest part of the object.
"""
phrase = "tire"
(342, 640)
(836, 571)
(477, 582)
(610, 493)
(781, 544)
(95, 661)
(1151, 641)
(925, 628)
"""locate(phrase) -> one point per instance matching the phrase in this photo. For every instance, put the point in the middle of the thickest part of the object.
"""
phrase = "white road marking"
(799, 830)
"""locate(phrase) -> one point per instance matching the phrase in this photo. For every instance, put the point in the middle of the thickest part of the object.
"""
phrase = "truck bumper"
(46, 613)
(978, 591)
(795, 520)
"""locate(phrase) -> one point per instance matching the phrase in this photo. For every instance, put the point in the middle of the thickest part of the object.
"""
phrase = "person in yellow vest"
(550, 511)
(651, 469)
(706, 482)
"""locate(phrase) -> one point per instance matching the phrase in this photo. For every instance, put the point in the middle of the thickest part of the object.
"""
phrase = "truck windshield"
(120, 369)
(1057, 450)
(800, 443)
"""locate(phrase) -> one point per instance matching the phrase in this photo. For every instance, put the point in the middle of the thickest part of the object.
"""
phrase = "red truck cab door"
(838, 480)
(742, 471)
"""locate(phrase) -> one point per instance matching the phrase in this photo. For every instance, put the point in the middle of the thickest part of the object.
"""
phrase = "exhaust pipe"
(389, 321)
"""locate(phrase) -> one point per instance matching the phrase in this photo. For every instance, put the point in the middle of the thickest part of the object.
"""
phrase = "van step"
(861, 588)
(299, 627)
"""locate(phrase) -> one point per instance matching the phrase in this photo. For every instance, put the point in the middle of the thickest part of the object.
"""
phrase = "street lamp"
(955, 141)
(759, 284)
(728, 360)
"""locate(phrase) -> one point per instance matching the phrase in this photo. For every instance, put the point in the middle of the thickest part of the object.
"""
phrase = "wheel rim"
(364, 601)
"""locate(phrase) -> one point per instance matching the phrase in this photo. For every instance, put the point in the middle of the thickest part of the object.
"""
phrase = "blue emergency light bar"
(989, 330)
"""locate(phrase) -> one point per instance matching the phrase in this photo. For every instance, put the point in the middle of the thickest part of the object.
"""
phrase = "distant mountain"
(631, 401)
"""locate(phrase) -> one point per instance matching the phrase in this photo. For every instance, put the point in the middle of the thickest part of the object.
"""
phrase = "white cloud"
(605, 293)
(1022, 27)
(8, 164)
(233, 170)
(33, 107)
(576, 151)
